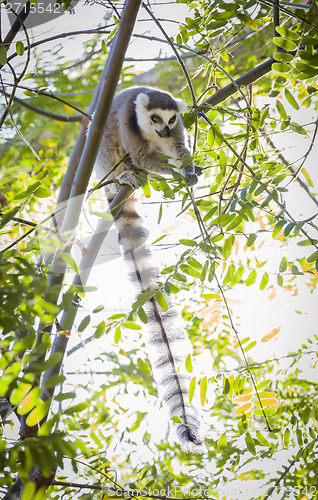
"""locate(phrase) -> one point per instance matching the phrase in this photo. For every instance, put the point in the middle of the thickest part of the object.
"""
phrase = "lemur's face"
(156, 121)
(161, 121)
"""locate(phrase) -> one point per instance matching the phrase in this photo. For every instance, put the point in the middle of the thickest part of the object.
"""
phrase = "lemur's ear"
(142, 100)
(182, 107)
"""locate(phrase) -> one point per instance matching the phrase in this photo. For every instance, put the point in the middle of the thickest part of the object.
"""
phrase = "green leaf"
(307, 56)
(160, 214)
(249, 346)
(42, 192)
(229, 274)
(69, 260)
(8, 216)
(283, 57)
(194, 263)
(280, 224)
(250, 443)
(161, 301)
(3, 55)
(190, 271)
(286, 438)
(75, 409)
(297, 128)
(176, 419)
(268, 412)
(143, 366)
(131, 325)
(284, 43)
(283, 265)
(62, 396)
(188, 243)
(281, 67)
(98, 309)
(117, 335)
(291, 99)
(281, 110)
(38, 413)
(251, 278)
(226, 385)
(237, 276)
(251, 240)
(28, 491)
(142, 315)
(204, 271)
(191, 389)
(84, 323)
(262, 439)
(286, 33)
(203, 389)
(29, 402)
(143, 298)
(218, 137)
(19, 47)
(100, 330)
(309, 41)
(146, 188)
(19, 392)
(222, 443)
(227, 248)
(188, 364)
(211, 137)
(312, 257)
(55, 380)
(104, 47)
(280, 280)
(263, 384)
(288, 229)
(264, 281)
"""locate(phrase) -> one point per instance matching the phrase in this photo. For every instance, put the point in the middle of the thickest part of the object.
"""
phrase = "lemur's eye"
(155, 118)
(173, 119)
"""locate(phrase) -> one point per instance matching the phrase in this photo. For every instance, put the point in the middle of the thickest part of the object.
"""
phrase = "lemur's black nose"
(165, 132)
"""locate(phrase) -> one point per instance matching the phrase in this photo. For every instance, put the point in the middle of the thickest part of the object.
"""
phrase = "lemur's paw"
(198, 170)
(191, 179)
(129, 179)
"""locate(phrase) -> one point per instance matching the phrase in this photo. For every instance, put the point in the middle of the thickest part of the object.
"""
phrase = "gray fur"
(130, 130)
(123, 134)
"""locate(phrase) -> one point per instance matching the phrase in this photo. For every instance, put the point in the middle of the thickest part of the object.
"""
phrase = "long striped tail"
(167, 343)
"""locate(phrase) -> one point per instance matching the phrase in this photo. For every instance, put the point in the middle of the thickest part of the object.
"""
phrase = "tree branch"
(281, 477)
(47, 114)
(25, 11)
(243, 81)
(290, 168)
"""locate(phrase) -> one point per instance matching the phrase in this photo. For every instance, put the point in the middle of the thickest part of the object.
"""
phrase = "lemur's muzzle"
(165, 132)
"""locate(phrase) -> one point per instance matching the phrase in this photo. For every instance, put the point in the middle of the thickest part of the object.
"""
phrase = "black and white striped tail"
(167, 343)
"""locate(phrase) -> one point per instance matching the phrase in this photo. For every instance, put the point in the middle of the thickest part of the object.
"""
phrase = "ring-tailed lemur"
(146, 124)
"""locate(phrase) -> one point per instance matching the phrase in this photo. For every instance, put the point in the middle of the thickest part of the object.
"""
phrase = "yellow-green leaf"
(203, 388)
(192, 388)
(143, 365)
(250, 443)
(38, 413)
(19, 47)
(188, 364)
(262, 439)
(161, 301)
(221, 443)
(286, 438)
(28, 491)
(29, 402)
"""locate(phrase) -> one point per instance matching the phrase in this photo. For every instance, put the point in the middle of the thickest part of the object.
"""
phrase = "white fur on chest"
(163, 145)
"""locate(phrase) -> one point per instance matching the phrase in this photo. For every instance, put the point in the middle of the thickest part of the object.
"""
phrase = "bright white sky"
(256, 313)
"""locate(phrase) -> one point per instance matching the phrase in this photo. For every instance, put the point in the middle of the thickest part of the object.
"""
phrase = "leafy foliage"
(246, 237)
